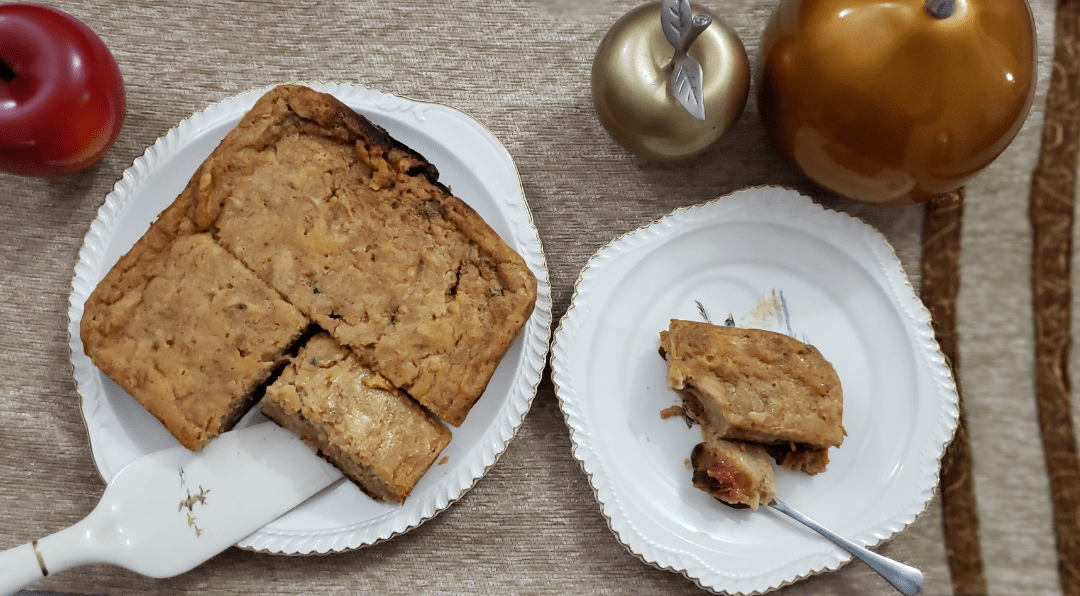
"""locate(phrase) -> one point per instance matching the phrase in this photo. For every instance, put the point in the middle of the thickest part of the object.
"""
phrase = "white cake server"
(171, 510)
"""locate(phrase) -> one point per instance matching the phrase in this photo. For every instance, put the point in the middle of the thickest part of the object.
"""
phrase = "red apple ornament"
(895, 101)
(61, 94)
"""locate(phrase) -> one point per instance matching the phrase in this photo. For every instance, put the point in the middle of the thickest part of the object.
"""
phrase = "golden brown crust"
(353, 229)
(756, 385)
(189, 333)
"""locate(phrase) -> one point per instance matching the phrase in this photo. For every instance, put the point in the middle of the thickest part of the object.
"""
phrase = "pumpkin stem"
(7, 74)
(941, 9)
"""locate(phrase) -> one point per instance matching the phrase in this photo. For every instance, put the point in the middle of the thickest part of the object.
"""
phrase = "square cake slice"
(758, 386)
(356, 231)
(189, 332)
(376, 435)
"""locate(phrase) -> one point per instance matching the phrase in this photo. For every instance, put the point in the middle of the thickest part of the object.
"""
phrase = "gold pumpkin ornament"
(631, 88)
(895, 101)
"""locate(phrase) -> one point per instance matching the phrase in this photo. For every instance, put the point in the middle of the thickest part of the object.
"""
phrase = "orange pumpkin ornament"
(895, 101)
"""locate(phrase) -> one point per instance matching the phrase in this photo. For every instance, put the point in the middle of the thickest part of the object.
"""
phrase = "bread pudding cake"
(756, 394)
(378, 436)
(355, 231)
(755, 385)
(190, 333)
(307, 213)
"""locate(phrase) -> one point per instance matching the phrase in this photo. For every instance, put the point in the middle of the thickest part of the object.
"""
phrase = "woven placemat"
(532, 525)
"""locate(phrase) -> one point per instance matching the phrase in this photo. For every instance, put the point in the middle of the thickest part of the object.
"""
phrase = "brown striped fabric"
(942, 229)
(1052, 212)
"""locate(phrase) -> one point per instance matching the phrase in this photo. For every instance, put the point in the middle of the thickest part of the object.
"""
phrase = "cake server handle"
(906, 579)
(171, 510)
(19, 567)
(76, 545)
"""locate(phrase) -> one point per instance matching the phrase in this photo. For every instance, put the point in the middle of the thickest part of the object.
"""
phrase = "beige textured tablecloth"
(532, 525)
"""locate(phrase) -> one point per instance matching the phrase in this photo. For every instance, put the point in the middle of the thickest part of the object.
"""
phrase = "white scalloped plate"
(478, 169)
(776, 260)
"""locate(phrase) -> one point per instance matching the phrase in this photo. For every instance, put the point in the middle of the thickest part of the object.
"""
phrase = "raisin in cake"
(376, 435)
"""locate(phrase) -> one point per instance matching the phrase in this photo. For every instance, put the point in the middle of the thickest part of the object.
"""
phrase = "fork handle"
(905, 578)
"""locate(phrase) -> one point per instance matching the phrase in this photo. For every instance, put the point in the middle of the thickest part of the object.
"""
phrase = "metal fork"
(905, 578)
(908, 580)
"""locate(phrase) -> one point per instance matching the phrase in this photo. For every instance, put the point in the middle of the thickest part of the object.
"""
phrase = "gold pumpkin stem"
(940, 9)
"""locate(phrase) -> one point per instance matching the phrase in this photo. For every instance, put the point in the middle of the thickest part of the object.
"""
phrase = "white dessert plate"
(474, 165)
(772, 259)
